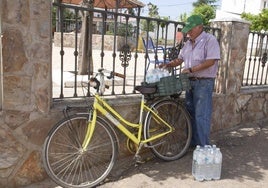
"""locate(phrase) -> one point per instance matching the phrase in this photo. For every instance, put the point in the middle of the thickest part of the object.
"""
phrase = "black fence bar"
(256, 69)
(116, 45)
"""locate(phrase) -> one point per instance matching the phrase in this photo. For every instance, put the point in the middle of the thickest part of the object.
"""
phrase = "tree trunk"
(85, 60)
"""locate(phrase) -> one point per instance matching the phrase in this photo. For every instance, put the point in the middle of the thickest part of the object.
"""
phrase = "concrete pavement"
(245, 164)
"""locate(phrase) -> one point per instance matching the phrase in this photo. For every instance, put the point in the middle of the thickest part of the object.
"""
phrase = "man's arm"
(173, 63)
(202, 66)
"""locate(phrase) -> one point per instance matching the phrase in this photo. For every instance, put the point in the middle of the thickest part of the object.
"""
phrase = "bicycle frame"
(101, 106)
(71, 163)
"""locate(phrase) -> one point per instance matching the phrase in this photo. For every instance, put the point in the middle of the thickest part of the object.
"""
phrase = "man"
(200, 55)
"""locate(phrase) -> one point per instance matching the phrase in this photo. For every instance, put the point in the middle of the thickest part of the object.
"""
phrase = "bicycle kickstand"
(137, 157)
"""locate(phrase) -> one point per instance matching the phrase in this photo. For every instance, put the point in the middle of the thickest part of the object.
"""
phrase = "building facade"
(234, 8)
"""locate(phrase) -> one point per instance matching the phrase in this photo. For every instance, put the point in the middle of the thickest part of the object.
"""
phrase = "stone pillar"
(26, 88)
(26, 55)
(234, 40)
(233, 43)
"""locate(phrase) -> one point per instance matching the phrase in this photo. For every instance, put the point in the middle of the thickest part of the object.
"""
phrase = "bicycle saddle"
(148, 89)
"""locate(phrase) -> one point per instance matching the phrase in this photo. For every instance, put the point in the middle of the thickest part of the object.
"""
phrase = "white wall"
(233, 8)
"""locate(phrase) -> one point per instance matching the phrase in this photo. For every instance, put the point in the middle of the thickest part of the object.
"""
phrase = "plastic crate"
(171, 85)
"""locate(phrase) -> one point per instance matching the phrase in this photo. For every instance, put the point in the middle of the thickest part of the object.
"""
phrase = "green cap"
(191, 22)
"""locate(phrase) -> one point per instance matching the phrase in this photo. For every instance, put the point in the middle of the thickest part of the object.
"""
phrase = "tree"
(85, 60)
(122, 29)
(205, 2)
(206, 12)
(183, 17)
(153, 13)
(202, 6)
(67, 15)
(153, 10)
(258, 22)
(131, 11)
(163, 25)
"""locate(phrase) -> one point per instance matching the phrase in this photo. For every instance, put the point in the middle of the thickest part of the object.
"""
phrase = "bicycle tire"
(175, 144)
(67, 164)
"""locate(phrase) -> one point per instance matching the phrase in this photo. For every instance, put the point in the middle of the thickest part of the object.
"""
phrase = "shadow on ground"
(244, 151)
(245, 164)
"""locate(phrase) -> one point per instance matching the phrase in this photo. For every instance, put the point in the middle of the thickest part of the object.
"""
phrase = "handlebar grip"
(118, 75)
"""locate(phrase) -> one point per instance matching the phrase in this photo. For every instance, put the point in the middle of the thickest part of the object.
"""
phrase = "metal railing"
(126, 56)
(256, 69)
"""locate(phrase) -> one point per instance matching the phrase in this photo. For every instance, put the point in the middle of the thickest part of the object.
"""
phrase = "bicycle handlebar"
(112, 73)
(118, 75)
(100, 84)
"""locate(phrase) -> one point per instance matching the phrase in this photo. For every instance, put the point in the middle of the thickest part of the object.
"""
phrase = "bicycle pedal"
(139, 160)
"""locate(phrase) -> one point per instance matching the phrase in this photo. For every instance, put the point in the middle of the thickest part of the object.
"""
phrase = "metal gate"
(256, 68)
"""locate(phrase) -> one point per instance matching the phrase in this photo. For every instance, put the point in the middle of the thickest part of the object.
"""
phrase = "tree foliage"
(205, 2)
(205, 8)
(258, 22)
(153, 10)
(183, 17)
(163, 24)
(153, 13)
(207, 13)
(67, 15)
(121, 30)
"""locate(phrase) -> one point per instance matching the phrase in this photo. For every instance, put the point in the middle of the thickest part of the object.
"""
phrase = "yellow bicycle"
(81, 149)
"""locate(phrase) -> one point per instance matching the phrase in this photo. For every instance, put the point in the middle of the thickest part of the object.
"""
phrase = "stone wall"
(235, 105)
(28, 111)
(26, 91)
(237, 109)
(69, 41)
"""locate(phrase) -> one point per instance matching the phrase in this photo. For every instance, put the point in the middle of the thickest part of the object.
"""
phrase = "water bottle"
(157, 72)
(156, 75)
(150, 76)
(194, 161)
(217, 164)
(205, 166)
(209, 163)
(164, 73)
(200, 163)
(214, 148)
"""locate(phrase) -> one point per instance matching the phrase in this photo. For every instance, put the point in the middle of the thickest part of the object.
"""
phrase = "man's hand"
(186, 71)
(162, 65)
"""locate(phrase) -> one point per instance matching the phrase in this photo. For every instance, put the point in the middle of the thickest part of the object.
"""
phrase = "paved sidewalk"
(69, 76)
(245, 164)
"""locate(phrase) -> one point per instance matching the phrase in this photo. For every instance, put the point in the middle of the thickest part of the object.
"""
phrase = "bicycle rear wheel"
(175, 144)
(65, 161)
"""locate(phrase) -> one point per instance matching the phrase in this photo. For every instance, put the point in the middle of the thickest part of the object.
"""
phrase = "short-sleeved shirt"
(205, 47)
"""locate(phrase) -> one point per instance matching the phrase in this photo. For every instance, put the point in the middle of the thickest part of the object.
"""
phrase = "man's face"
(195, 32)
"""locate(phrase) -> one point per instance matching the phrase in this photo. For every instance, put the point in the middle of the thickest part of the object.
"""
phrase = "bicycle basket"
(171, 85)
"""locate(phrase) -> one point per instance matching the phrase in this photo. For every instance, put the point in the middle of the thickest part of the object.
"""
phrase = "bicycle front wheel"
(175, 144)
(68, 164)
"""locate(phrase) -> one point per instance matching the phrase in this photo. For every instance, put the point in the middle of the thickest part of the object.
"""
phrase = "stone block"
(17, 92)
(11, 151)
(31, 171)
